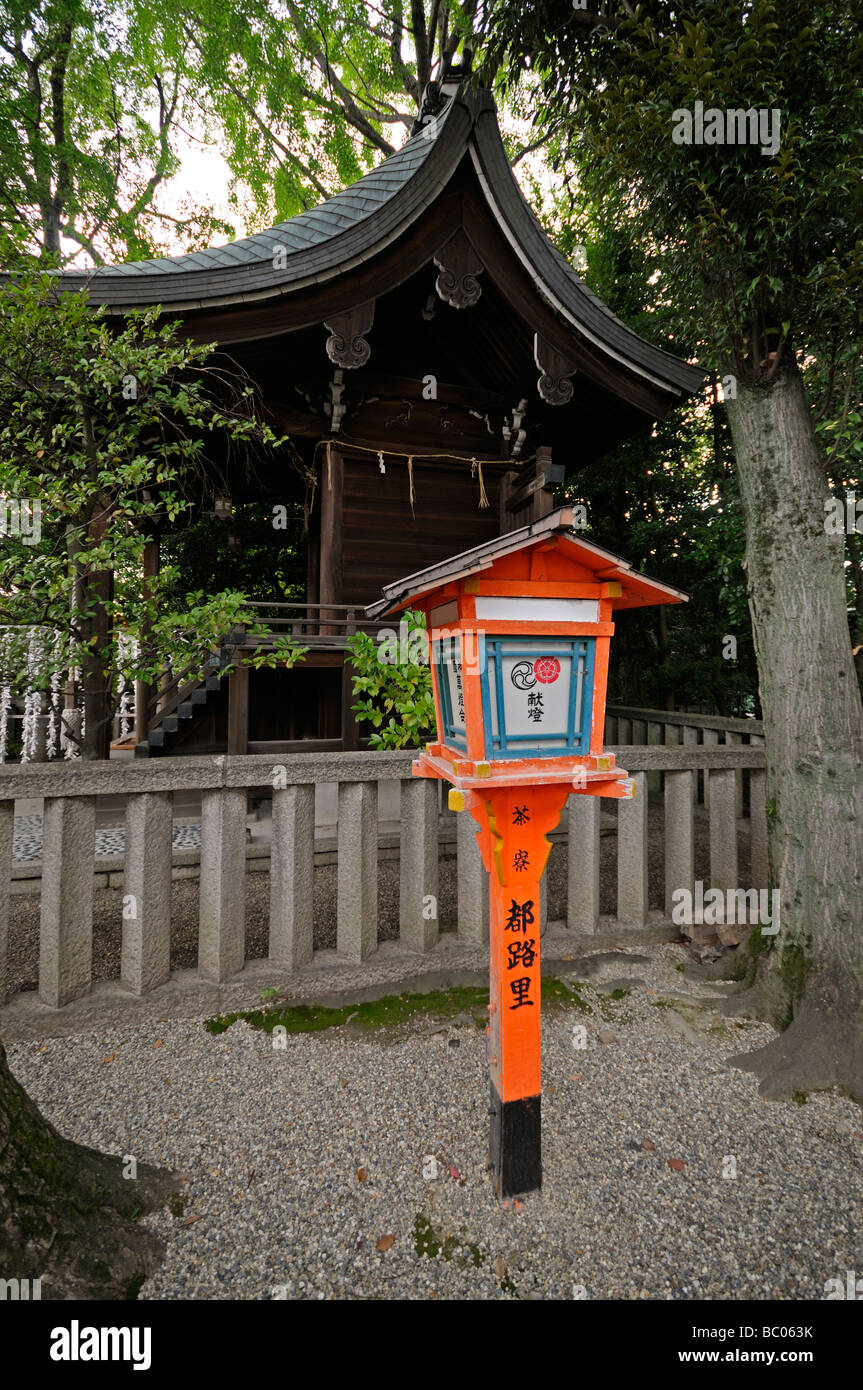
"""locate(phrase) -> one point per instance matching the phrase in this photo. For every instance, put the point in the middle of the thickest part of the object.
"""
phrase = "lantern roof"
(637, 590)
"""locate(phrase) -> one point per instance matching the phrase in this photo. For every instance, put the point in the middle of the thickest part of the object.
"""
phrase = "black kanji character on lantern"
(535, 709)
(521, 988)
(522, 953)
(520, 916)
(520, 861)
(520, 815)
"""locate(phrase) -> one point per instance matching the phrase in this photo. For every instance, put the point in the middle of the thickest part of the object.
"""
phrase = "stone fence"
(625, 725)
(70, 793)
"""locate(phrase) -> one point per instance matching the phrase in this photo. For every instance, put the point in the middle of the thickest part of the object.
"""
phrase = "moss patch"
(376, 1013)
(429, 1243)
(745, 961)
(794, 966)
(555, 991)
(395, 1009)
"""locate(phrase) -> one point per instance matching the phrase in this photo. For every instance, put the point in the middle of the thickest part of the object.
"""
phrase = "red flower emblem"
(546, 669)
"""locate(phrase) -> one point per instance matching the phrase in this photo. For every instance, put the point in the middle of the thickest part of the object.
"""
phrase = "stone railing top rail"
(687, 718)
(258, 769)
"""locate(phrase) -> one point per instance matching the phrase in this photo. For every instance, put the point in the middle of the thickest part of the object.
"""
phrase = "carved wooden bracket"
(335, 407)
(553, 386)
(459, 266)
(512, 429)
(346, 345)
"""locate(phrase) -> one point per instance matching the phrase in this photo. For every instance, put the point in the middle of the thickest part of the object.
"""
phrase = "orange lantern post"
(519, 634)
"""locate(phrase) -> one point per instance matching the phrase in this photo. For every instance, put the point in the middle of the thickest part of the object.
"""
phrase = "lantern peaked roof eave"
(354, 226)
(638, 590)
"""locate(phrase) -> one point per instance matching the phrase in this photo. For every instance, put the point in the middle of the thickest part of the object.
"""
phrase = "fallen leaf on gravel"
(500, 1266)
(453, 1171)
(109, 1058)
(550, 1090)
(43, 1049)
(158, 1043)
(191, 1221)
(361, 1175)
(579, 1076)
(344, 1082)
(646, 1144)
(385, 1242)
(677, 1164)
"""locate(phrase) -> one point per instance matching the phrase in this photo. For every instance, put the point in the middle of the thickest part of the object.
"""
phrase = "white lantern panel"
(537, 696)
(539, 610)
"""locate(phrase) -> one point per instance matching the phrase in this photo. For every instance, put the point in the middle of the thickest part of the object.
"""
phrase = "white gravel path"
(273, 1141)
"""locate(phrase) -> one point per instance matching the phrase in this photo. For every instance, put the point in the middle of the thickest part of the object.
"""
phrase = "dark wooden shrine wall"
(382, 540)
(302, 703)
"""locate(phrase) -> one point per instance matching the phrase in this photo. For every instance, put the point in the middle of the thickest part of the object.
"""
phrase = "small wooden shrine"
(440, 368)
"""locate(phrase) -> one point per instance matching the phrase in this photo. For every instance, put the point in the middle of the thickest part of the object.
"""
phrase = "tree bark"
(95, 678)
(809, 979)
(67, 1215)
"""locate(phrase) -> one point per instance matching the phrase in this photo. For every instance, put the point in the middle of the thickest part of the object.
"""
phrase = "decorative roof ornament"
(459, 265)
(346, 345)
(554, 385)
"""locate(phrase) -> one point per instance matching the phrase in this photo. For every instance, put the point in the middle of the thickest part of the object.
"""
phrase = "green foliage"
(307, 96)
(759, 256)
(669, 502)
(107, 428)
(92, 98)
(748, 261)
(395, 680)
(246, 553)
(98, 98)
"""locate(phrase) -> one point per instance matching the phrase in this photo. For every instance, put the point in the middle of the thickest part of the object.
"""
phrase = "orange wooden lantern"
(519, 634)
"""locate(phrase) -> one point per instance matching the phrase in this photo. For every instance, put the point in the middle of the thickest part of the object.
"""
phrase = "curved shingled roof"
(319, 244)
(355, 225)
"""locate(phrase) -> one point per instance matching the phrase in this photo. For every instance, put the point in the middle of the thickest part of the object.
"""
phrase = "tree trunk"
(95, 679)
(67, 1214)
(853, 544)
(809, 979)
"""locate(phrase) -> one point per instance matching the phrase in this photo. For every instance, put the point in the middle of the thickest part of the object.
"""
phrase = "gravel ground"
(23, 959)
(299, 1162)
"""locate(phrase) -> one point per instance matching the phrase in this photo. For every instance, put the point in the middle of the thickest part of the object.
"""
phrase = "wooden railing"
(314, 625)
(71, 791)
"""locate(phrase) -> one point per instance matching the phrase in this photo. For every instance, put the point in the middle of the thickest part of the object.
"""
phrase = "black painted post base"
(516, 1145)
